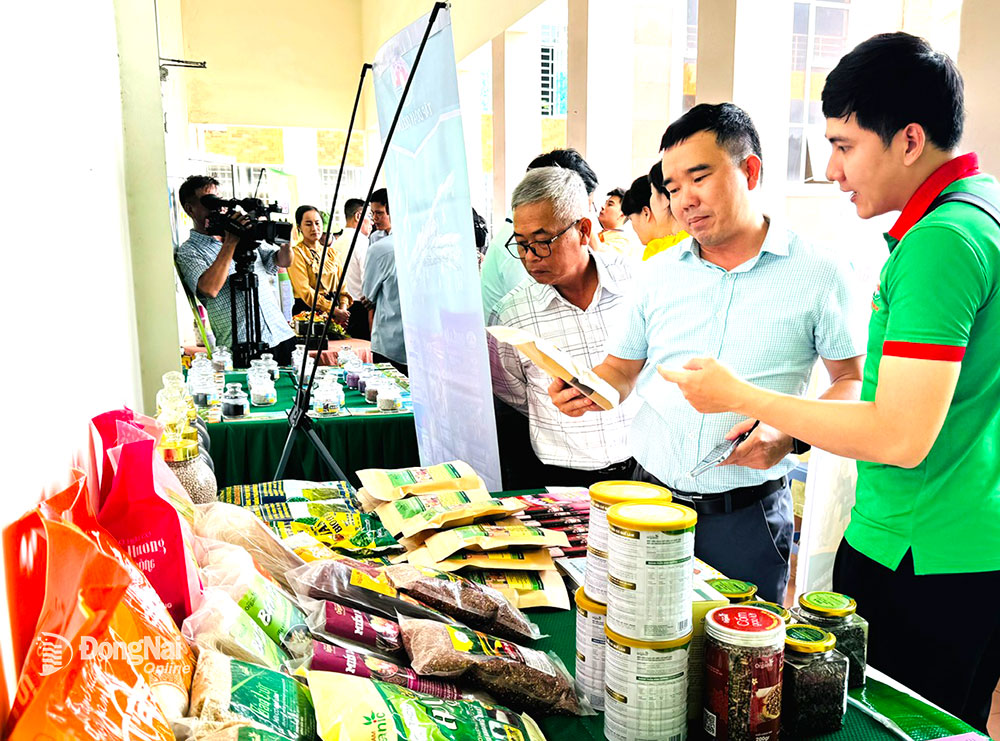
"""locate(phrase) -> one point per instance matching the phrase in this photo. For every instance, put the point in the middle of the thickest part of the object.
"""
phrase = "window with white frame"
(553, 70)
(819, 40)
(353, 185)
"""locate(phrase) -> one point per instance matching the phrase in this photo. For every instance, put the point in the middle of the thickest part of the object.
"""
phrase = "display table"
(914, 717)
(247, 452)
(363, 349)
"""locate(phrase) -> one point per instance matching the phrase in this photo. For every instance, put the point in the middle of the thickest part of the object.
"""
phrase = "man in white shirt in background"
(574, 299)
(357, 327)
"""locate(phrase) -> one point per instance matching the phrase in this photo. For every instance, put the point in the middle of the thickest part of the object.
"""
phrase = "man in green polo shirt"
(922, 553)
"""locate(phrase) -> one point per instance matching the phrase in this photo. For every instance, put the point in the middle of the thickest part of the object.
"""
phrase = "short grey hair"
(563, 188)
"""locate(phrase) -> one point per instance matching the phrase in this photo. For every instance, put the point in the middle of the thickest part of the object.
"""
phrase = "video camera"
(224, 217)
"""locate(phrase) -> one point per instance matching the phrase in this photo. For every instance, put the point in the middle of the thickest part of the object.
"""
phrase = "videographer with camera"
(206, 263)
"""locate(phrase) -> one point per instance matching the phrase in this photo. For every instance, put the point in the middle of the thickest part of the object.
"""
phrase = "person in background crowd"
(761, 299)
(482, 235)
(502, 273)
(380, 293)
(304, 270)
(205, 264)
(926, 432)
(357, 324)
(659, 204)
(381, 223)
(657, 235)
(574, 298)
(616, 234)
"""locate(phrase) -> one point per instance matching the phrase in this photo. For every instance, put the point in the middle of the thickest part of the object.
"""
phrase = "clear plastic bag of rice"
(226, 690)
(220, 624)
(232, 569)
(237, 526)
(195, 729)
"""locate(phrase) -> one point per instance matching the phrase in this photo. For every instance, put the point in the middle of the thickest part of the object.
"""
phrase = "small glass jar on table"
(837, 613)
(814, 686)
(185, 460)
(328, 398)
(390, 398)
(235, 402)
(271, 364)
(222, 359)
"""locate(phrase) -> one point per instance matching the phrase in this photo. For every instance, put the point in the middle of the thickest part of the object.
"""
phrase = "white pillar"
(977, 61)
(517, 112)
(750, 69)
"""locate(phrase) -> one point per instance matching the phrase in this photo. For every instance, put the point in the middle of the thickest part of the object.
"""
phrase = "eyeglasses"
(540, 248)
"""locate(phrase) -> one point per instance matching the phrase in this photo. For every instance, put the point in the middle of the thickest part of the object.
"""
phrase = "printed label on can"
(597, 537)
(649, 583)
(650, 684)
(595, 583)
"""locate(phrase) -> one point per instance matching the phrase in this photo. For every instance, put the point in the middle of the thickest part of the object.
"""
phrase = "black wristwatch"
(799, 447)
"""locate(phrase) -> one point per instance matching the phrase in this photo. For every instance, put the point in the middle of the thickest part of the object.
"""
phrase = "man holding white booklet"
(745, 290)
(575, 301)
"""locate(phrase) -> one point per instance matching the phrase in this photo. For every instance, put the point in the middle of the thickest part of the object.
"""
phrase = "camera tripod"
(243, 293)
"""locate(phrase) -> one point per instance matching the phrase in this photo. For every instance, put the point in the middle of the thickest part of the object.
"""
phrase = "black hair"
(192, 185)
(480, 229)
(381, 196)
(655, 178)
(636, 197)
(568, 159)
(618, 193)
(351, 207)
(895, 79)
(733, 129)
(303, 210)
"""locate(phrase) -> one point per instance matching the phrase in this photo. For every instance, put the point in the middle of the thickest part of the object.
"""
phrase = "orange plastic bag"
(79, 679)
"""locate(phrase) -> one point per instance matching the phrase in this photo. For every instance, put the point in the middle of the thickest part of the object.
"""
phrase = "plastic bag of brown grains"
(523, 678)
(478, 606)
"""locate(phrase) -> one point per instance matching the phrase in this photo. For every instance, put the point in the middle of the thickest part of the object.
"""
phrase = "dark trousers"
(558, 476)
(357, 325)
(401, 367)
(938, 634)
(282, 352)
(751, 543)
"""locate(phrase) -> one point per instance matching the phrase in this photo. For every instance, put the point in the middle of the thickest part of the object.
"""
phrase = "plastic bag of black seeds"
(523, 678)
(478, 606)
(357, 585)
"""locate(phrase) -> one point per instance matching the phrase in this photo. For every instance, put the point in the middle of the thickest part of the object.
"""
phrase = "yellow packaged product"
(414, 515)
(525, 589)
(532, 559)
(388, 485)
(307, 547)
(503, 534)
(350, 708)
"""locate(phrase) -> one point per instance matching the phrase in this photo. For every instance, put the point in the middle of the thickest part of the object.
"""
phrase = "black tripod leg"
(338, 474)
(286, 453)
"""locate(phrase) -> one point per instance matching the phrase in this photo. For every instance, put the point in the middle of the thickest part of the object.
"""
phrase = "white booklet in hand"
(559, 364)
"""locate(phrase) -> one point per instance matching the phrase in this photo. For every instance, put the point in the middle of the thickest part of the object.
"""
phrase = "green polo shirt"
(938, 299)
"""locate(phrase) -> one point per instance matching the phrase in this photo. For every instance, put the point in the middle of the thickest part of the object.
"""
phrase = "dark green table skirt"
(248, 452)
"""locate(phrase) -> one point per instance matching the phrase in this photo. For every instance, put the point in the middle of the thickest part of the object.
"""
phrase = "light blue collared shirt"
(768, 319)
(381, 288)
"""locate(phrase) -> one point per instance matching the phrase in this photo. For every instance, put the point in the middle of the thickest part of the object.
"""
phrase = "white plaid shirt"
(196, 256)
(592, 441)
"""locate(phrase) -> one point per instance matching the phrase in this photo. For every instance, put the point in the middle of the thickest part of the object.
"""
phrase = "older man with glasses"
(576, 298)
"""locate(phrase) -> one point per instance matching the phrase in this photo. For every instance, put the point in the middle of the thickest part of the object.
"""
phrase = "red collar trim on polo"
(952, 170)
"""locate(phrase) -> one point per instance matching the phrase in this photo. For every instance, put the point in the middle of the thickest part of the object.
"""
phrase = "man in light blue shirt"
(748, 292)
(381, 289)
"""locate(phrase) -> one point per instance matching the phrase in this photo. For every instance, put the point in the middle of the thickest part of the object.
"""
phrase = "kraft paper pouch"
(388, 485)
(537, 559)
(413, 517)
(485, 538)
(526, 589)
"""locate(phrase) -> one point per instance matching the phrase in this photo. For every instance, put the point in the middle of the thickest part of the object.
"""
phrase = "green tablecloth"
(914, 718)
(248, 452)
